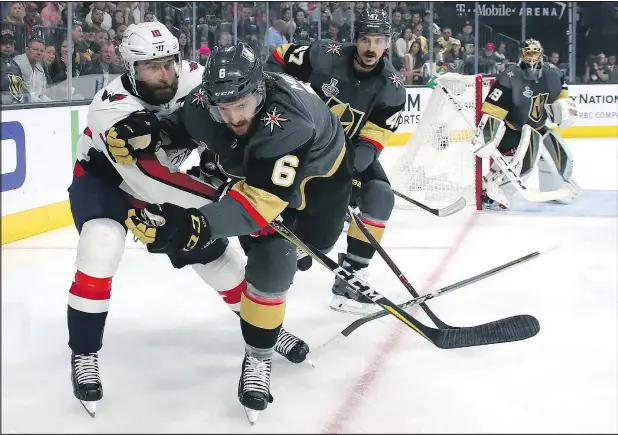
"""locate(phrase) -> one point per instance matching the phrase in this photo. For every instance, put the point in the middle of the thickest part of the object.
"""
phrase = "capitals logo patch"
(396, 79)
(111, 97)
(334, 49)
(272, 119)
(199, 98)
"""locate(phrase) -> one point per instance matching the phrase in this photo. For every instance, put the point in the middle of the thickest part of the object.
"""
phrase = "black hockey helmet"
(531, 59)
(232, 73)
(373, 21)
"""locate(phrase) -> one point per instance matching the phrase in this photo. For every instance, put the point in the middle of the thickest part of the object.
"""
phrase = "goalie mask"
(531, 59)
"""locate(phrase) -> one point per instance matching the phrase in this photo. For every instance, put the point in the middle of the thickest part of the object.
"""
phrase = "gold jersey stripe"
(493, 110)
(330, 173)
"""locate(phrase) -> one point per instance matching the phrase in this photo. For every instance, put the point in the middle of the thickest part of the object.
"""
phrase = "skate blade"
(252, 415)
(90, 407)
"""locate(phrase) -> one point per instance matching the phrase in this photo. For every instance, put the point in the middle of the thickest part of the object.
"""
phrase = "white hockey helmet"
(145, 41)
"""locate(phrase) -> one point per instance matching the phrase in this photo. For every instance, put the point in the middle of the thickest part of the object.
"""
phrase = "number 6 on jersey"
(284, 173)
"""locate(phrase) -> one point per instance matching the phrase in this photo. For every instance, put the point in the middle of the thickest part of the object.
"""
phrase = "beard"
(158, 94)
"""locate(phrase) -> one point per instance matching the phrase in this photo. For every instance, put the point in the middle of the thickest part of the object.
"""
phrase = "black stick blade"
(505, 330)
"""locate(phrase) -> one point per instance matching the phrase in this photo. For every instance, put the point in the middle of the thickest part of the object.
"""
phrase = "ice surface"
(172, 351)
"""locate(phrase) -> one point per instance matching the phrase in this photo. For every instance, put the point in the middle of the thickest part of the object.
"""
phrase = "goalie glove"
(488, 135)
(137, 133)
(562, 112)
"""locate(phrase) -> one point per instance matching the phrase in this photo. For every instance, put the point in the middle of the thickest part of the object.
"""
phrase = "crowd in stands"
(35, 53)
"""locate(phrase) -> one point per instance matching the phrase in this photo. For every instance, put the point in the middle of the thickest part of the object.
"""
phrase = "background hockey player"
(121, 161)
(515, 112)
(364, 90)
(289, 153)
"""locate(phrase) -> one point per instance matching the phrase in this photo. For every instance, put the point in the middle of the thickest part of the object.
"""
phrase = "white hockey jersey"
(153, 179)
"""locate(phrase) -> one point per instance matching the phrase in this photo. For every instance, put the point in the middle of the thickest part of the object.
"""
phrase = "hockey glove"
(164, 227)
(137, 133)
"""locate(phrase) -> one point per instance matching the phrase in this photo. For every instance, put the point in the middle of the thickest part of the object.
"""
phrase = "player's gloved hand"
(164, 227)
(356, 187)
(137, 133)
(267, 230)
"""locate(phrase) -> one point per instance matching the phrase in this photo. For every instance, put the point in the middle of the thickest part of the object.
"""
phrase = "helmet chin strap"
(362, 64)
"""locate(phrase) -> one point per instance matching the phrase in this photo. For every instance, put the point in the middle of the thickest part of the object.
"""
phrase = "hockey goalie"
(513, 132)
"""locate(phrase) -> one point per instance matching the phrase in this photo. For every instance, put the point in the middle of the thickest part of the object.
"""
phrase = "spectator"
(51, 15)
(403, 44)
(32, 17)
(30, 65)
(118, 20)
(48, 60)
(14, 13)
(454, 58)
(301, 34)
(416, 19)
(613, 70)
(185, 49)
(14, 88)
(397, 23)
(225, 39)
(413, 62)
(326, 19)
(97, 17)
(275, 36)
(445, 40)
(149, 17)
(502, 54)
(246, 26)
(597, 70)
(104, 65)
(333, 32)
(418, 36)
(82, 38)
(428, 26)
(203, 54)
(466, 37)
(58, 70)
(119, 34)
(489, 61)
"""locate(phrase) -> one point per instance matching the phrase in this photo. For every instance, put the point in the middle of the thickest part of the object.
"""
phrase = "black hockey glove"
(356, 187)
(137, 133)
(164, 227)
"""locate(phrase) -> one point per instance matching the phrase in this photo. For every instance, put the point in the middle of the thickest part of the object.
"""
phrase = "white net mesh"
(438, 167)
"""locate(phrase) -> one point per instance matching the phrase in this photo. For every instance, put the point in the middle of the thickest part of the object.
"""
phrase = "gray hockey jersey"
(519, 102)
(294, 138)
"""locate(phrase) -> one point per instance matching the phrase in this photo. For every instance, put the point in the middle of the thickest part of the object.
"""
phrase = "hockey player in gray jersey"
(363, 88)
(286, 155)
(515, 112)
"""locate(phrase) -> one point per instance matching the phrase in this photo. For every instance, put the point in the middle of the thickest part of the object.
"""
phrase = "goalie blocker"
(515, 112)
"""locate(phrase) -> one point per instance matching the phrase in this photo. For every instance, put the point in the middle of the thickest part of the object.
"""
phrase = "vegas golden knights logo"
(537, 107)
(350, 118)
(17, 87)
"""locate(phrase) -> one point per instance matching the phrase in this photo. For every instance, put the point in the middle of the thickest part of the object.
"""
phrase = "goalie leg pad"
(556, 166)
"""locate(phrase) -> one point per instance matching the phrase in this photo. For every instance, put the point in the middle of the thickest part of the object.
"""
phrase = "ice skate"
(346, 300)
(86, 380)
(254, 387)
(291, 347)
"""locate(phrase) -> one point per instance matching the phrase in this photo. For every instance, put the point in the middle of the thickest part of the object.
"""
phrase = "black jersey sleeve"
(295, 60)
(499, 101)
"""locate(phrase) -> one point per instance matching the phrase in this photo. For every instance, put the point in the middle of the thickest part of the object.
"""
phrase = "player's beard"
(156, 94)
(242, 128)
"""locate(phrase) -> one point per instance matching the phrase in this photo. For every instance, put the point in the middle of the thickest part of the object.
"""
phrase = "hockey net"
(437, 167)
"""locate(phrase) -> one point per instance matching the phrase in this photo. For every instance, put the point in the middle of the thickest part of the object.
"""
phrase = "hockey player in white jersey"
(515, 112)
(129, 155)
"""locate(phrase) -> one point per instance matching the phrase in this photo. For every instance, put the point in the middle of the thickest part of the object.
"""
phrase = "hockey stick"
(532, 195)
(440, 212)
(504, 330)
(516, 328)
(439, 323)
(352, 281)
